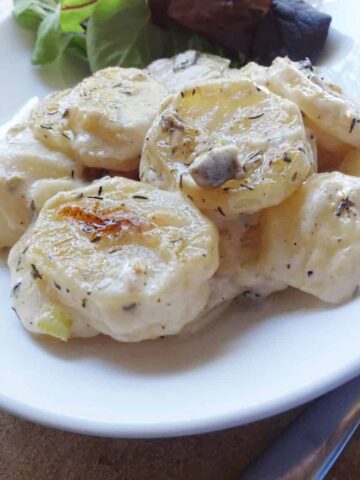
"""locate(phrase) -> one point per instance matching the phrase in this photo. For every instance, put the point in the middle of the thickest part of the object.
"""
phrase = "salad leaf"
(30, 13)
(159, 11)
(74, 13)
(47, 45)
(120, 32)
(293, 28)
(136, 32)
(77, 46)
(178, 39)
(259, 29)
(230, 24)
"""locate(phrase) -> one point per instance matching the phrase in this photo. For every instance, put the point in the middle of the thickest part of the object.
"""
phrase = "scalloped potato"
(187, 68)
(323, 103)
(99, 123)
(239, 272)
(351, 164)
(117, 257)
(312, 240)
(230, 146)
(229, 203)
(23, 163)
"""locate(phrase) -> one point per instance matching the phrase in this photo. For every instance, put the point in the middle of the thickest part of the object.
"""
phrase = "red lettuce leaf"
(255, 29)
(231, 24)
(293, 28)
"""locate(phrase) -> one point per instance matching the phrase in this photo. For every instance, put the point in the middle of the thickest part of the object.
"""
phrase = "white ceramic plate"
(250, 364)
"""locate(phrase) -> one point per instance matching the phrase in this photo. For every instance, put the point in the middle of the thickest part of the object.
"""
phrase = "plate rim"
(181, 428)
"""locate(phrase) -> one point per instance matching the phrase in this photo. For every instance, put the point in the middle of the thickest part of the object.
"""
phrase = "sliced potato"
(187, 68)
(252, 71)
(23, 162)
(230, 146)
(239, 272)
(323, 103)
(351, 164)
(45, 188)
(103, 121)
(118, 257)
(330, 150)
(312, 240)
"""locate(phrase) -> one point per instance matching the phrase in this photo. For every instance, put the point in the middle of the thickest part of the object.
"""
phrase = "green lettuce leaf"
(30, 13)
(48, 40)
(77, 46)
(120, 32)
(74, 13)
(104, 32)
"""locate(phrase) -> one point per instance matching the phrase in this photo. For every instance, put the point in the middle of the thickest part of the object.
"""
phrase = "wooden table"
(32, 452)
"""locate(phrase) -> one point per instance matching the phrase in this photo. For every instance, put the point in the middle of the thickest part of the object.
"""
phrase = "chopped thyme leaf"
(287, 157)
(243, 185)
(15, 289)
(254, 117)
(16, 313)
(141, 197)
(352, 125)
(95, 239)
(115, 250)
(35, 273)
(346, 205)
(253, 155)
(130, 307)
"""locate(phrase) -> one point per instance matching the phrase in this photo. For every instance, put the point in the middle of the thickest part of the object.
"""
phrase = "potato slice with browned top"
(117, 257)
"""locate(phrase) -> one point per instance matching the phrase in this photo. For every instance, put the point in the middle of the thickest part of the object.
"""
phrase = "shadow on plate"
(181, 353)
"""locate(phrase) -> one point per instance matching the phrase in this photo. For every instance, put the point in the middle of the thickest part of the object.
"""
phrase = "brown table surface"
(33, 452)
